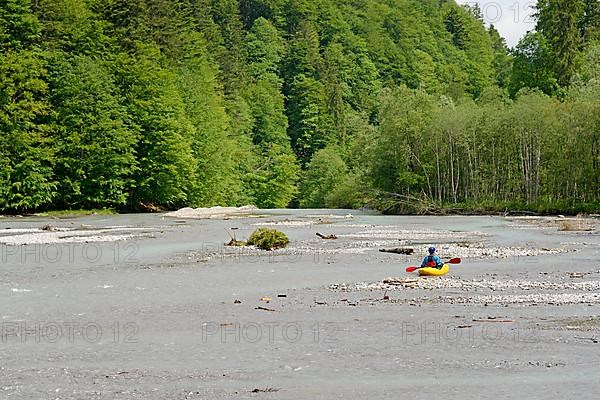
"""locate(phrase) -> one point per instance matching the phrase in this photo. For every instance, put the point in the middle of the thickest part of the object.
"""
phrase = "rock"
(211, 212)
(48, 227)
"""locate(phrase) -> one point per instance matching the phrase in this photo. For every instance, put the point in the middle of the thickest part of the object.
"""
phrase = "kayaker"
(432, 260)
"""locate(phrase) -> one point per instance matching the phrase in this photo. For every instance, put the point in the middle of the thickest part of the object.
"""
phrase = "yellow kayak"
(427, 271)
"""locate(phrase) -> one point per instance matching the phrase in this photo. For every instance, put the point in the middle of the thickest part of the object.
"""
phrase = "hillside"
(405, 104)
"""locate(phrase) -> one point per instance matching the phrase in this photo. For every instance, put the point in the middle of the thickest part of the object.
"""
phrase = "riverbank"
(383, 204)
(416, 206)
(64, 213)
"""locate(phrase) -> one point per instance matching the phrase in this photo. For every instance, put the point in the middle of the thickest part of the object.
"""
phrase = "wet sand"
(148, 307)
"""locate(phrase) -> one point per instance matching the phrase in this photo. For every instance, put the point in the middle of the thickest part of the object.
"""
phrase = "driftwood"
(398, 250)
(235, 243)
(264, 309)
(493, 320)
(150, 207)
(593, 339)
(265, 390)
(327, 237)
(401, 281)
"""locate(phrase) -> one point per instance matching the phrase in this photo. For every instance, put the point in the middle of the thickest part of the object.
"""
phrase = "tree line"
(409, 105)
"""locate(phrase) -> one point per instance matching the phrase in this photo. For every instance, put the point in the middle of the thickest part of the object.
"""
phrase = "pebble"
(468, 285)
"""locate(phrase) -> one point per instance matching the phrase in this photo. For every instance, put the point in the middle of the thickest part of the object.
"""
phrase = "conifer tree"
(558, 21)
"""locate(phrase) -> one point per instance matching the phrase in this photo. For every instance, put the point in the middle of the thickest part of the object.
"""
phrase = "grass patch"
(77, 213)
(268, 239)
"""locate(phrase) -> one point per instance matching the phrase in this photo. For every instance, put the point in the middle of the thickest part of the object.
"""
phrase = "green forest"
(403, 105)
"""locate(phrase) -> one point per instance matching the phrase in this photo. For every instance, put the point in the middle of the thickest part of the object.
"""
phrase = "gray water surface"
(153, 316)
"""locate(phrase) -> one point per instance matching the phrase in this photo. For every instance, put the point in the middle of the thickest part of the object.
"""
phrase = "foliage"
(166, 173)
(533, 65)
(495, 150)
(559, 22)
(323, 175)
(94, 145)
(268, 239)
(155, 104)
(19, 27)
(26, 156)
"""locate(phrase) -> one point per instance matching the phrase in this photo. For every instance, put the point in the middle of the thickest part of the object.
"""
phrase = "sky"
(512, 18)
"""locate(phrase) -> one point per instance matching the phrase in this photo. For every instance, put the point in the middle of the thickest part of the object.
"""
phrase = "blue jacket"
(434, 258)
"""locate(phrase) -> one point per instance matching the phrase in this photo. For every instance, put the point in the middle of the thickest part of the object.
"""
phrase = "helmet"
(431, 250)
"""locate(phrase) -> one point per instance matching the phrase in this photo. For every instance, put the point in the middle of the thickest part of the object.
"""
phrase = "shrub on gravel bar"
(268, 239)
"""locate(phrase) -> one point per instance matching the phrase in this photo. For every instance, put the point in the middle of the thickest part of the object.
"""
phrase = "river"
(149, 307)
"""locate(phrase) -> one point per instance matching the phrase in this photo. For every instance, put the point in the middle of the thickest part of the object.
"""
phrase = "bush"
(268, 239)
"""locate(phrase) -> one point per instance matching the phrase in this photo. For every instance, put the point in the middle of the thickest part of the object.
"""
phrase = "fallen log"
(494, 320)
(327, 237)
(264, 309)
(398, 250)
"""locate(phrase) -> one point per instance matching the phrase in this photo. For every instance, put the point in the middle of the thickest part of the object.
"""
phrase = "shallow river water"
(151, 307)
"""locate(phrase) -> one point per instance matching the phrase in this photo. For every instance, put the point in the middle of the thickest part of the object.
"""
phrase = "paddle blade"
(411, 269)
(454, 261)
